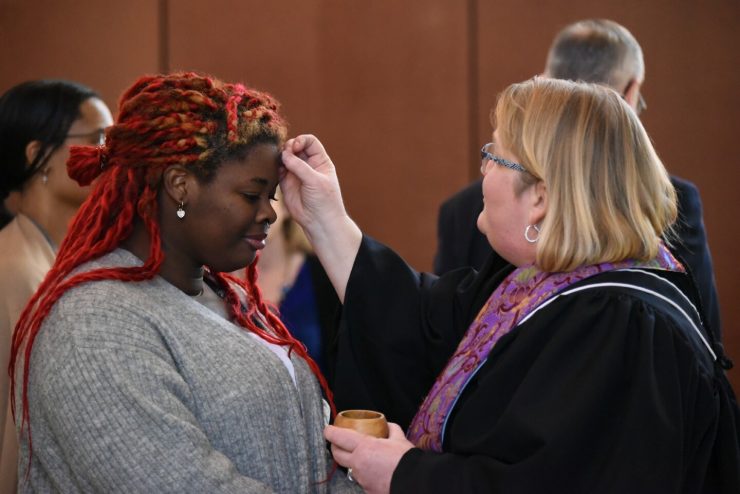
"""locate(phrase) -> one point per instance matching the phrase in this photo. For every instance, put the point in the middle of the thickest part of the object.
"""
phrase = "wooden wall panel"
(400, 91)
(691, 87)
(105, 45)
(384, 85)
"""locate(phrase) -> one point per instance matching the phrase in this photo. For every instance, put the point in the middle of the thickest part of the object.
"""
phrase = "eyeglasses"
(486, 156)
(96, 137)
(641, 105)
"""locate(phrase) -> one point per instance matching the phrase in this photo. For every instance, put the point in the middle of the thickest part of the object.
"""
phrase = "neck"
(53, 217)
(175, 268)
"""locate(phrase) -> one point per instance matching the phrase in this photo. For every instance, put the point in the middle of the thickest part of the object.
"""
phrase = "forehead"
(94, 114)
(259, 167)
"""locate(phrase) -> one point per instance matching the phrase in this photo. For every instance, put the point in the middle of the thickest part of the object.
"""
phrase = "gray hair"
(596, 50)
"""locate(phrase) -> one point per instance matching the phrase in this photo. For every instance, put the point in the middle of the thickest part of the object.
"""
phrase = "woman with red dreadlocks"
(139, 365)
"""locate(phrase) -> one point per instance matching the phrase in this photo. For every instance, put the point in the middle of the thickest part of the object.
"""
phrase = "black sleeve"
(328, 307)
(594, 394)
(399, 328)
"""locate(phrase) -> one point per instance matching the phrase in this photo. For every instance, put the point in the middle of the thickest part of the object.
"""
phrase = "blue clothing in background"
(300, 312)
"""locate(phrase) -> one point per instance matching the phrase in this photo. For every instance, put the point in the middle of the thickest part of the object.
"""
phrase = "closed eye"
(252, 198)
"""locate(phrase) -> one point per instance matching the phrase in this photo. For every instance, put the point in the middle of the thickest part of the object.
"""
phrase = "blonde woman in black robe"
(579, 365)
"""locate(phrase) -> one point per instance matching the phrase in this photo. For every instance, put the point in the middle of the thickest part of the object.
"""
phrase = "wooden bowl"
(363, 421)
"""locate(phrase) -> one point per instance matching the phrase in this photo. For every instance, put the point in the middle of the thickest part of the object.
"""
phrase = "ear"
(632, 93)
(32, 150)
(539, 203)
(176, 180)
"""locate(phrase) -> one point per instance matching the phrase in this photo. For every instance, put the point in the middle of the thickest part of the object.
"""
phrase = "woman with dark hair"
(140, 365)
(39, 121)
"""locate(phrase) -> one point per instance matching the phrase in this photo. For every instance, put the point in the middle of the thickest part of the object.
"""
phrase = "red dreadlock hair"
(186, 119)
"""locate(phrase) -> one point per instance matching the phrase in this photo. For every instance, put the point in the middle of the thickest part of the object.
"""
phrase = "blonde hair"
(295, 238)
(609, 196)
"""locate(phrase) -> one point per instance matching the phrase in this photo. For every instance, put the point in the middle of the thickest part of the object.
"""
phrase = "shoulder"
(646, 309)
(687, 195)
(19, 272)
(684, 186)
(109, 295)
(14, 246)
(114, 312)
(664, 291)
(23, 265)
(108, 310)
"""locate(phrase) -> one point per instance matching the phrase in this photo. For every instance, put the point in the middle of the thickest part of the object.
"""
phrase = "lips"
(257, 241)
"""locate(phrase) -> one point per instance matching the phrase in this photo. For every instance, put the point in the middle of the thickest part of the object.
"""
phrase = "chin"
(248, 260)
(477, 226)
(230, 267)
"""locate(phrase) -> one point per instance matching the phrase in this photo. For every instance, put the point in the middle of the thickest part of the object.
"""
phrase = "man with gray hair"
(605, 52)
(601, 51)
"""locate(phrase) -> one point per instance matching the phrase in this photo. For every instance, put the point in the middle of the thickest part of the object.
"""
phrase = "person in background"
(292, 279)
(9, 207)
(140, 365)
(605, 52)
(6, 215)
(39, 121)
(576, 362)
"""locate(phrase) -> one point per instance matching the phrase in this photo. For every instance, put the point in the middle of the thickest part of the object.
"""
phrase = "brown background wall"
(400, 91)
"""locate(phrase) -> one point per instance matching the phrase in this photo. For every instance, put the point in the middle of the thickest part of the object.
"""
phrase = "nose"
(267, 212)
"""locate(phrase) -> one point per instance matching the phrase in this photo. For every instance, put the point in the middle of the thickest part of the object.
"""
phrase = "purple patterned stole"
(519, 294)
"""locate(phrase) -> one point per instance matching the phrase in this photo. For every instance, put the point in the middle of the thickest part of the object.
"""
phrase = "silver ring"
(349, 476)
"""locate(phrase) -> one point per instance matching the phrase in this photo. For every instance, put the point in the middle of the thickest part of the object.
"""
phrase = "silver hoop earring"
(181, 210)
(526, 233)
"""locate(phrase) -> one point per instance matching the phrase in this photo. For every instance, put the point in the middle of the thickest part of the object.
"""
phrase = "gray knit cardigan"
(136, 387)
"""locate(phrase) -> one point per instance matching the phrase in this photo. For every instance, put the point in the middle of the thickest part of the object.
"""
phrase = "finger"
(311, 145)
(296, 145)
(395, 432)
(341, 456)
(309, 148)
(347, 439)
(297, 166)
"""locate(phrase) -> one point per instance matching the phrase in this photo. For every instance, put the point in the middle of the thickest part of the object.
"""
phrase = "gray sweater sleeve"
(120, 412)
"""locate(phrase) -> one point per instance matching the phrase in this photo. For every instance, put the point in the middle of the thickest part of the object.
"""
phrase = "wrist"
(330, 231)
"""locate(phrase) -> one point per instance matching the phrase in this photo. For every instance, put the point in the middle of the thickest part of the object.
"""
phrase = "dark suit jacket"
(459, 243)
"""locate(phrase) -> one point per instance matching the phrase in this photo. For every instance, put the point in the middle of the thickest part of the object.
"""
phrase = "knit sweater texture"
(136, 387)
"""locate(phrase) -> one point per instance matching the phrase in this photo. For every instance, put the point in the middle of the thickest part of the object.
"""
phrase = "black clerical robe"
(605, 390)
